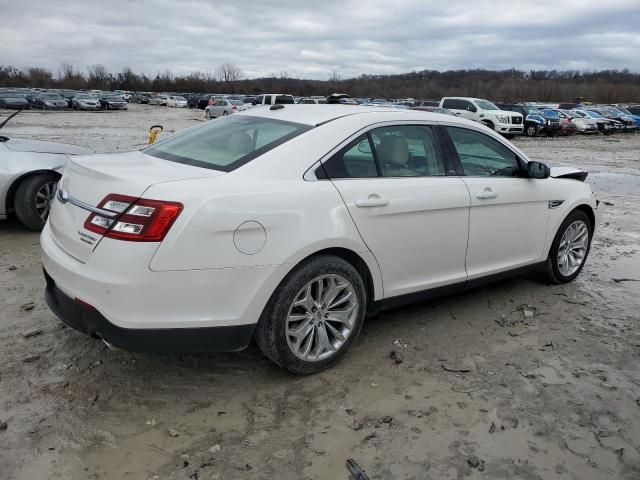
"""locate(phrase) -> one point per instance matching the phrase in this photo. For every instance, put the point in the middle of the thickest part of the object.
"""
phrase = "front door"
(509, 213)
(412, 216)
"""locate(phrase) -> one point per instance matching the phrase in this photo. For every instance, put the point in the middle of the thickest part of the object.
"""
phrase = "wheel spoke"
(335, 332)
(306, 301)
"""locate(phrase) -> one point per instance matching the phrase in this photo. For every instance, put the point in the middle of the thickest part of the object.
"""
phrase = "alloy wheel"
(322, 317)
(44, 197)
(573, 248)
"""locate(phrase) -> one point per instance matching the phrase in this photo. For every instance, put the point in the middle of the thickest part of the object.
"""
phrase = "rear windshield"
(226, 143)
(284, 100)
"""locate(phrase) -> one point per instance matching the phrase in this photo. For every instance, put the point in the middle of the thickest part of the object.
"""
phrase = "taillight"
(137, 219)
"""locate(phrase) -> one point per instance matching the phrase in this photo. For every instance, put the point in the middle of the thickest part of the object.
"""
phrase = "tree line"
(606, 86)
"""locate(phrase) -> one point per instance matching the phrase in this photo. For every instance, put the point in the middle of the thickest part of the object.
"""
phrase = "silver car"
(223, 107)
(29, 173)
(84, 101)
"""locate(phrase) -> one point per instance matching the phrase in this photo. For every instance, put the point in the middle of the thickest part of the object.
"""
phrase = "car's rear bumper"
(90, 321)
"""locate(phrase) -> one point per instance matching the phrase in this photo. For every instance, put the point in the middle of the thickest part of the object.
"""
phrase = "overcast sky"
(309, 39)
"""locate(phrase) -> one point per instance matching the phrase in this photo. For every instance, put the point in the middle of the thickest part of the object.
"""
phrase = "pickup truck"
(273, 99)
(483, 111)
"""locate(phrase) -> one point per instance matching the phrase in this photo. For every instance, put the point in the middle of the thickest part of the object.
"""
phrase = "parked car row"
(21, 99)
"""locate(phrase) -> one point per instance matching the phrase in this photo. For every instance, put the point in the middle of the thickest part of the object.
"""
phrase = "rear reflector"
(140, 219)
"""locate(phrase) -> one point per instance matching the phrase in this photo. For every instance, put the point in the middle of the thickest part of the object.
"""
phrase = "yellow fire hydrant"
(153, 133)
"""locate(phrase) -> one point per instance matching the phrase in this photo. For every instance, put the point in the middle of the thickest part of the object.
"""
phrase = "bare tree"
(228, 72)
(98, 76)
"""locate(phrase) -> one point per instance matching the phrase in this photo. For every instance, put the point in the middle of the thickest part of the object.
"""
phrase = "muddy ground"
(548, 387)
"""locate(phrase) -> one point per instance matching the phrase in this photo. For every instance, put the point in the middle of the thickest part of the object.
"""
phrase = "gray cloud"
(311, 39)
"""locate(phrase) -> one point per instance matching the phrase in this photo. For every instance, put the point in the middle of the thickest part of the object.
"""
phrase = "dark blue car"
(535, 121)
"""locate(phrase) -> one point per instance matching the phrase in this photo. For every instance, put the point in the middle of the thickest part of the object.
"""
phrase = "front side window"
(226, 144)
(407, 151)
(482, 156)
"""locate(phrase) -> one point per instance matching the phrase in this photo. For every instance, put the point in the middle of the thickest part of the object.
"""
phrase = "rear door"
(509, 213)
(412, 216)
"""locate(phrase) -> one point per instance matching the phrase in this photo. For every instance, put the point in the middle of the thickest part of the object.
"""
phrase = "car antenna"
(9, 118)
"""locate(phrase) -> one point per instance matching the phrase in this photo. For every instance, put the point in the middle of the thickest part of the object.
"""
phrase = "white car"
(160, 100)
(502, 121)
(291, 223)
(29, 172)
(176, 101)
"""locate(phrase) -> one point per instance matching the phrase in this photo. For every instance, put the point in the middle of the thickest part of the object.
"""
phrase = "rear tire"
(303, 304)
(561, 249)
(33, 199)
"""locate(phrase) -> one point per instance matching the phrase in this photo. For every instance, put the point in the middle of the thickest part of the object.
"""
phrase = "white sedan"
(176, 101)
(290, 224)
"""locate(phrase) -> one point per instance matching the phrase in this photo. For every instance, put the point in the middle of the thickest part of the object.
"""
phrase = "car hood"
(568, 172)
(38, 146)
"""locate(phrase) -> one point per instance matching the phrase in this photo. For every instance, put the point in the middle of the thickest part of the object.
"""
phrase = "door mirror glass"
(538, 170)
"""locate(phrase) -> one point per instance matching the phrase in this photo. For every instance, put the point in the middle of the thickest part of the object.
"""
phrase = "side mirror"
(538, 170)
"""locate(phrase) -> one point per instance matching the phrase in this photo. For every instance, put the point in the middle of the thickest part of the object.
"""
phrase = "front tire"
(570, 248)
(489, 124)
(207, 114)
(532, 130)
(33, 199)
(314, 316)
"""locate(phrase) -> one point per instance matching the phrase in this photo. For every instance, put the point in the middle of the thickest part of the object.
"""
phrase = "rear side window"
(396, 151)
(227, 143)
(407, 151)
(481, 155)
(356, 160)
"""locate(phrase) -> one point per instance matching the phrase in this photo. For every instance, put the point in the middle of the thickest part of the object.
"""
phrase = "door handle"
(486, 193)
(373, 201)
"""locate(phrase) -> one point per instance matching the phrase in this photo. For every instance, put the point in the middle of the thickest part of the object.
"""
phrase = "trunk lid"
(88, 179)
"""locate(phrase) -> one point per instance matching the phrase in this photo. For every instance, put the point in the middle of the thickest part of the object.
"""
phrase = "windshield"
(594, 114)
(85, 97)
(237, 103)
(551, 113)
(485, 105)
(579, 114)
(182, 99)
(227, 143)
(113, 98)
(531, 110)
(11, 95)
(51, 96)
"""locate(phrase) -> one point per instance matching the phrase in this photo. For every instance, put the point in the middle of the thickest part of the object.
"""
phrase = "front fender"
(558, 214)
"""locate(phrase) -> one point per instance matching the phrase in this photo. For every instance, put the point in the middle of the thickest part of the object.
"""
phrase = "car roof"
(318, 114)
